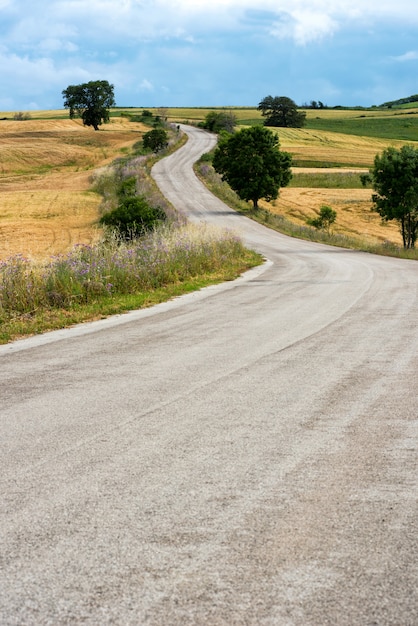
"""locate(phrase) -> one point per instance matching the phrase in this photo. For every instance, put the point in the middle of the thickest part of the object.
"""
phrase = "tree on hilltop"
(281, 111)
(90, 101)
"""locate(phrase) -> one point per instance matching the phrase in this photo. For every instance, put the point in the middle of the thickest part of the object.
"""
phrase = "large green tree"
(251, 162)
(281, 111)
(394, 178)
(90, 101)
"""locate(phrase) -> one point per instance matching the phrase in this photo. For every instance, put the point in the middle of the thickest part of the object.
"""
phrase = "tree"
(325, 219)
(156, 139)
(394, 177)
(90, 101)
(251, 162)
(281, 111)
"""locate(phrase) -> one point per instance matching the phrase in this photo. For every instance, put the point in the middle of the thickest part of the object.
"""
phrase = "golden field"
(45, 167)
(331, 148)
(46, 205)
(353, 207)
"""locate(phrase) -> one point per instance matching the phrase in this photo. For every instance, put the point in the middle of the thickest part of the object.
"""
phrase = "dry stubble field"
(353, 206)
(46, 205)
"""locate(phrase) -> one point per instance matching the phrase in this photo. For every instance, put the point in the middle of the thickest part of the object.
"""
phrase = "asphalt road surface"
(246, 455)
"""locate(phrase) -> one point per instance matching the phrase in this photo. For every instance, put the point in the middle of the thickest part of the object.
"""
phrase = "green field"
(401, 126)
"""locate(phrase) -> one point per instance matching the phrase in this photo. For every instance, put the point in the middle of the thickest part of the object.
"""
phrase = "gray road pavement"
(243, 456)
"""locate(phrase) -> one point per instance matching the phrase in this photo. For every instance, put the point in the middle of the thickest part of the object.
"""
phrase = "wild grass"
(108, 275)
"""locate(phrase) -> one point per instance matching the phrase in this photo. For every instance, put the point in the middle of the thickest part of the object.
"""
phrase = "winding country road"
(246, 455)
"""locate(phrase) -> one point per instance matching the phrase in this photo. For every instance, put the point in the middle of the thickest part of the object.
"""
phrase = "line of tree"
(313, 104)
(281, 111)
(407, 100)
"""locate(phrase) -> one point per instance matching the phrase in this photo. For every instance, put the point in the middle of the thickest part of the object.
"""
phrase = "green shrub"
(325, 219)
(133, 217)
(156, 139)
(126, 188)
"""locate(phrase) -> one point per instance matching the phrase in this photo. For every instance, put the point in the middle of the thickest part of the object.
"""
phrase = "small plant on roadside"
(325, 219)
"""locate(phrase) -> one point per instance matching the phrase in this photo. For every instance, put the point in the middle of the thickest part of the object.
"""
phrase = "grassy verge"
(92, 282)
(113, 276)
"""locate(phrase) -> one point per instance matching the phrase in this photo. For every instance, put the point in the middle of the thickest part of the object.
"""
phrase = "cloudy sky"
(209, 52)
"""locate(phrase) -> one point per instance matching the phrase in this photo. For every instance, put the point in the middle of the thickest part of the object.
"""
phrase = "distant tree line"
(313, 104)
(400, 101)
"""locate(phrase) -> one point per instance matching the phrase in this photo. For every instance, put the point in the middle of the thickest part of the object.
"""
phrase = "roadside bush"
(325, 219)
(217, 122)
(155, 139)
(126, 188)
(133, 217)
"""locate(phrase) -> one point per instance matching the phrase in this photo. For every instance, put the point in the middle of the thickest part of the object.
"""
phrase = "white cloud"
(141, 45)
(412, 55)
(55, 45)
(146, 85)
(304, 27)
(139, 20)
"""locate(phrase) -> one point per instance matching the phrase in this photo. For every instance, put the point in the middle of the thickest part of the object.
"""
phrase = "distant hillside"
(401, 101)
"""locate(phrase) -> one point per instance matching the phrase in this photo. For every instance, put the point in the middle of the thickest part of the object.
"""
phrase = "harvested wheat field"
(334, 152)
(329, 148)
(45, 167)
(353, 207)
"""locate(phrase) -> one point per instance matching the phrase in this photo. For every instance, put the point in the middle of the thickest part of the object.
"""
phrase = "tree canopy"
(281, 111)
(90, 101)
(251, 162)
(394, 178)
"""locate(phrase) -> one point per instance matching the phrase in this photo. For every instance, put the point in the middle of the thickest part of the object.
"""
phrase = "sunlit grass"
(112, 276)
